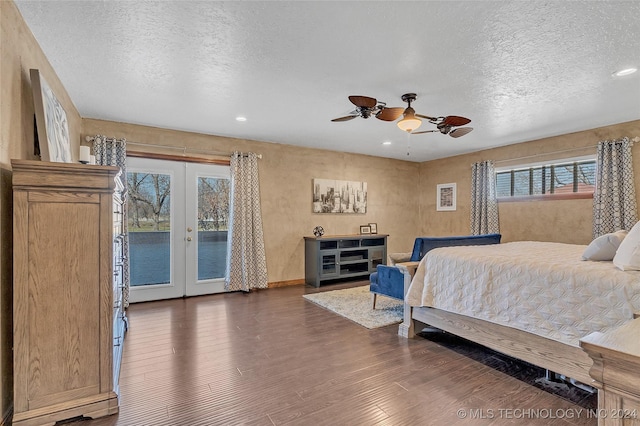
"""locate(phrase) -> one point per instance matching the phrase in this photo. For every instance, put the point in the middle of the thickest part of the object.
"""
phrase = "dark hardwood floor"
(271, 358)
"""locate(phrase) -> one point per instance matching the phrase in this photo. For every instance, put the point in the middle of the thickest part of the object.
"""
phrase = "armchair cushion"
(394, 258)
(387, 280)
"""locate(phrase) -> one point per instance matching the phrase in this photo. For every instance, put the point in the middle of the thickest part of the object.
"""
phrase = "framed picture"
(365, 229)
(374, 228)
(51, 121)
(339, 196)
(446, 197)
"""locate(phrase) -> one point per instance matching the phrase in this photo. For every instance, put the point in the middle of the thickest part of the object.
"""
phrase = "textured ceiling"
(519, 70)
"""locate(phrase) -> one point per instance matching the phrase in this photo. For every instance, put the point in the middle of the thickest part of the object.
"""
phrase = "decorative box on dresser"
(69, 319)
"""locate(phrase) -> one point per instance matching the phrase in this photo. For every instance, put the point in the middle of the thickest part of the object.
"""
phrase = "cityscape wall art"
(339, 196)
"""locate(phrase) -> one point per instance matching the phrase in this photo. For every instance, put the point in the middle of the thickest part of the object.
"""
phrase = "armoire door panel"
(62, 314)
(62, 397)
(63, 197)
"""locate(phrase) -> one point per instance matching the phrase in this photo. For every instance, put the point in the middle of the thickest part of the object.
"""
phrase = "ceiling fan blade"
(390, 114)
(426, 117)
(460, 131)
(424, 131)
(363, 101)
(454, 120)
(346, 118)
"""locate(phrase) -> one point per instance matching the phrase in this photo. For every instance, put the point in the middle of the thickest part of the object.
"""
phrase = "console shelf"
(335, 257)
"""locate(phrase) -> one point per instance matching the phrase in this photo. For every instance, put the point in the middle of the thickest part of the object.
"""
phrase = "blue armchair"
(389, 280)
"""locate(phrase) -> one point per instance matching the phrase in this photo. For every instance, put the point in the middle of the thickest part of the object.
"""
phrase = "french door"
(178, 215)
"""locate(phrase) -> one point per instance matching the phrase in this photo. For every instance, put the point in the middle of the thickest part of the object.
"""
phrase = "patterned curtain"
(113, 152)
(614, 200)
(484, 202)
(246, 260)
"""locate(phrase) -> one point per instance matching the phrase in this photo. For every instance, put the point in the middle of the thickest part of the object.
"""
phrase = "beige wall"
(568, 221)
(286, 174)
(402, 196)
(19, 52)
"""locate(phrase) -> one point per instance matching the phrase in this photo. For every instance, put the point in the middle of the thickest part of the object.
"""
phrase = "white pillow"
(627, 257)
(604, 247)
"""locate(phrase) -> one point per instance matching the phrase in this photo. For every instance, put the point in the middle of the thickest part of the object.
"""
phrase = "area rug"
(356, 304)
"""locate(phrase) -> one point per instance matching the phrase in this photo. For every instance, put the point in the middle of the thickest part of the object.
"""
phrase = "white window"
(567, 178)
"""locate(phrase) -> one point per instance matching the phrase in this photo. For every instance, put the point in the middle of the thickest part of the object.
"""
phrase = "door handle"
(189, 229)
(189, 238)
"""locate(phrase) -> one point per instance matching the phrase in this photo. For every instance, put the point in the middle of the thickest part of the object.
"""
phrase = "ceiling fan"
(444, 125)
(367, 107)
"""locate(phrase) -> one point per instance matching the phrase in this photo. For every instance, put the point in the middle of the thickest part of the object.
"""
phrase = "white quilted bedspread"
(542, 288)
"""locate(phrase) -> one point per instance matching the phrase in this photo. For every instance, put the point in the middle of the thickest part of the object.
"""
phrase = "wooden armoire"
(68, 314)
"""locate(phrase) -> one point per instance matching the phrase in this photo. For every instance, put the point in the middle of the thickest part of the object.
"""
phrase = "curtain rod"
(526, 157)
(184, 149)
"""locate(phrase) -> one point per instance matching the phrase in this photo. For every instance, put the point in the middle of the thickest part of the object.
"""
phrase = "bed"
(531, 300)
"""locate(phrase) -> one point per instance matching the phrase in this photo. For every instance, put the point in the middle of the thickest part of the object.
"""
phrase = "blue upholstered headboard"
(423, 245)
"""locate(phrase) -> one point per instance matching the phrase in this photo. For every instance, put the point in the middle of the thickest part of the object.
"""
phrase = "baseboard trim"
(276, 284)
(6, 419)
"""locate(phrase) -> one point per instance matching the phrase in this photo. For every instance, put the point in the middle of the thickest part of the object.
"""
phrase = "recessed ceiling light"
(626, 71)
(241, 118)
(386, 143)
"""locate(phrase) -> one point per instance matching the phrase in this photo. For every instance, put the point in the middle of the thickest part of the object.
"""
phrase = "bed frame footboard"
(561, 358)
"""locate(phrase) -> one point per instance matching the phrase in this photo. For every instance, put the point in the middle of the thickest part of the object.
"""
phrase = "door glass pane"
(149, 224)
(377, 257)
(213, 218)
(329, 264)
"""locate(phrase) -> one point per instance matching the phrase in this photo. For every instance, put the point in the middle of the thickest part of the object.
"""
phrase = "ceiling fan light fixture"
(626, 71)
(409, 123)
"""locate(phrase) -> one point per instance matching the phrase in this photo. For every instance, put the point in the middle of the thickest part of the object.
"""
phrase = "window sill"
(548, 197)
